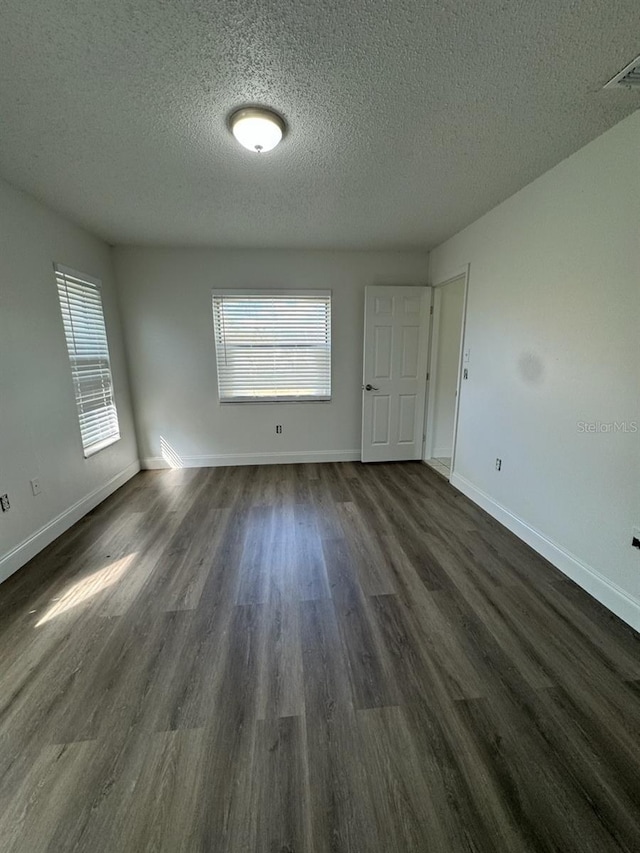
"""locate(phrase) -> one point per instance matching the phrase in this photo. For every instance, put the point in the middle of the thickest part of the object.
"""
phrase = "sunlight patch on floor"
(87, 588)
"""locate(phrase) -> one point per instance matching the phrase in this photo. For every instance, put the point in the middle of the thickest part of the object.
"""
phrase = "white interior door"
(396, 339)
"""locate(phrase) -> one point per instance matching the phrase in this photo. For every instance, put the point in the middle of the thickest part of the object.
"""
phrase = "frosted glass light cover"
(257, 130)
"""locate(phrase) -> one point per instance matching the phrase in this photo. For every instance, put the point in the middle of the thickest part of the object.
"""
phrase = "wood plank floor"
(314, 658)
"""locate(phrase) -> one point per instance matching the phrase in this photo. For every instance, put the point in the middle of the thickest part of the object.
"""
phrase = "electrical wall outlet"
(498, 464)
(278, 429)
(35, 486)
(4, 503)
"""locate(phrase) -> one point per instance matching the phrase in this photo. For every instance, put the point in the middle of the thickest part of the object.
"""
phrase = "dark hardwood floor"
(314, 658)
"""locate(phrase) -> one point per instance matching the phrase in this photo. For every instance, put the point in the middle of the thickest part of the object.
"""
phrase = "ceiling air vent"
(629, 77)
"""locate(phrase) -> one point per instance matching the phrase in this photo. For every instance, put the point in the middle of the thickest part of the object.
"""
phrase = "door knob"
(371, 388)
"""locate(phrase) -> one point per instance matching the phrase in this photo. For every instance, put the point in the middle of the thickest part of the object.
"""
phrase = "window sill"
(260, 400)
(101, 445)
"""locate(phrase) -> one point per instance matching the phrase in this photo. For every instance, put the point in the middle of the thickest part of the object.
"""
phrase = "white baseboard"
(25, 551)
(223, 459)
(603, 590)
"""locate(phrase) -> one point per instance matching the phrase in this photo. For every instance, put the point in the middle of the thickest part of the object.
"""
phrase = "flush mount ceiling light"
(257, 129)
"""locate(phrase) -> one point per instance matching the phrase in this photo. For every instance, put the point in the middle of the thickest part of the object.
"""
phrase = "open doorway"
(445, 366)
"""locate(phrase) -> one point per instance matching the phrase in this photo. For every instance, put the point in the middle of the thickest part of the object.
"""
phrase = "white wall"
(39, 432)
(166, 302)
(447, 360)
(553, 325)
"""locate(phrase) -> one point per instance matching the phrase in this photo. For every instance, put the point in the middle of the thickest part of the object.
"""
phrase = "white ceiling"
(408, 118)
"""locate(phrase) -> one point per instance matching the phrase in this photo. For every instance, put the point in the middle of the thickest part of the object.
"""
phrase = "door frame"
(461, 272)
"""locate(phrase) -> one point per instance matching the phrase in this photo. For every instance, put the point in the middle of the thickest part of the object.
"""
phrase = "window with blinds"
(273, 346)
(86, 335)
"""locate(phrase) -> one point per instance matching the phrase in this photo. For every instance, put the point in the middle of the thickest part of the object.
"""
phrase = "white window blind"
(273, 345)
(86, 335)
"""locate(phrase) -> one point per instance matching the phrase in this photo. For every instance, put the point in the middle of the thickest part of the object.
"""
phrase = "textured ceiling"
(408, 119)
